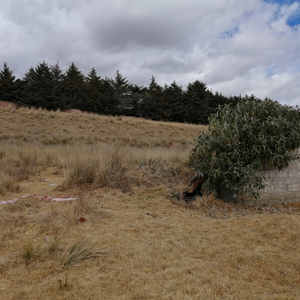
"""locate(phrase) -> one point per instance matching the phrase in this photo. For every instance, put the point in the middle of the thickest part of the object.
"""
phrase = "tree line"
(51, 88)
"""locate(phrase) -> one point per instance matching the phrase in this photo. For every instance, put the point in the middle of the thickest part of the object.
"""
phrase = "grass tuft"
(7, 184)
(102, 165)
(80, 250)
(28, 252)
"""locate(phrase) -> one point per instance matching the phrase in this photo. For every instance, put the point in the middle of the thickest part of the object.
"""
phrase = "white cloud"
(235, 47)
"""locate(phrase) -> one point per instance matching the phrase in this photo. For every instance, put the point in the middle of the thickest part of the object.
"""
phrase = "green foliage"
(10, 88)
(197, 103)
(157, 106)
(122, 91)
(174, 96)
(51, 88)
(42, 86)
(74, 88)
(28, 252)
(241, 139)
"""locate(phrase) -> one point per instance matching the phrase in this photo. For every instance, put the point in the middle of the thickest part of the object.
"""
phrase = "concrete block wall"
(282, 186)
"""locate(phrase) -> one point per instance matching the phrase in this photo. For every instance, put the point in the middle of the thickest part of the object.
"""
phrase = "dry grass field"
(128, 237)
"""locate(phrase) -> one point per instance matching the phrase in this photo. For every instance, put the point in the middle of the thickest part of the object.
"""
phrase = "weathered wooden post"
(195, 187)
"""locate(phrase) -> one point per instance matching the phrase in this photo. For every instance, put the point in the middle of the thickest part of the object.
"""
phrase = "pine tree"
(157, 107)
(109, 102)
(138, 100)
(101, 95)
(217, 100)
(57, 82)
(174, 95)
(197, 103)
(38, 83)
(122, 92)
(94, 96)
(74, 89)
(10, 88)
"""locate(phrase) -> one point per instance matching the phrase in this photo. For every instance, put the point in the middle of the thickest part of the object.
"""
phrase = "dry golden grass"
(128, 237)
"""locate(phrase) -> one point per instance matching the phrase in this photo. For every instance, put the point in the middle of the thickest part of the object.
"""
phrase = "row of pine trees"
(51, 88)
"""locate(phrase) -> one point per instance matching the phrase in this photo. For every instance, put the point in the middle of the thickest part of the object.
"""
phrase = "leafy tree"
(242, 138)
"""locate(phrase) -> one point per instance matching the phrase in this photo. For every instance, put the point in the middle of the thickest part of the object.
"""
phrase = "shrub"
(240, 139)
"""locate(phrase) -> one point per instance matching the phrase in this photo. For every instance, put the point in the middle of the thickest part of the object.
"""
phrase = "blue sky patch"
(293, 20)
(272, 71)
(230, 33)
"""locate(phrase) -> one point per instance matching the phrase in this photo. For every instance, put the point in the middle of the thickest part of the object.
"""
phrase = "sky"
(235, 47)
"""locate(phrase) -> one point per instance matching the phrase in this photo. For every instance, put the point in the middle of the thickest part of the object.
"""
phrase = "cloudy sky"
(235, 47)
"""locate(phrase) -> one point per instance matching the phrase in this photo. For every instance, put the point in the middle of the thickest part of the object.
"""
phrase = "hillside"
(128, 237)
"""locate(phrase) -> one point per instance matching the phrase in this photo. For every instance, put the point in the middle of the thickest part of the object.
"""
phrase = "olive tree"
(241, 139)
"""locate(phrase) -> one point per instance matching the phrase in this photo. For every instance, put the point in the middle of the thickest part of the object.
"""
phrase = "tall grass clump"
(163, 154)
(26, 165)
(7, 183)
(102, 165)
(114, 162)
(80, 250)
(27, 252)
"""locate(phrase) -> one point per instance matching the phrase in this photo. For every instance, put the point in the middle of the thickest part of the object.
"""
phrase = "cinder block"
(253, 203)
(294, 187)
(277, 201)
(264, 196)
(278, 182)
(282, 174)
(289, 195)
(267, 189)
(276, 196)
(292, 166)
(294, 200)
(248, 201)
(292, 181)
(279, 188)
(292, 173)
(267, 175)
